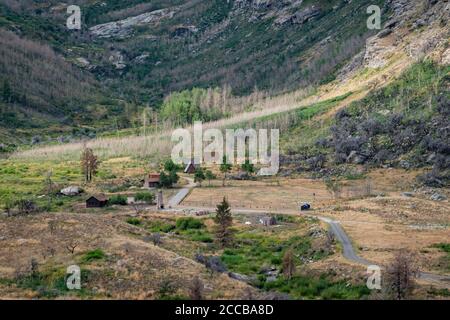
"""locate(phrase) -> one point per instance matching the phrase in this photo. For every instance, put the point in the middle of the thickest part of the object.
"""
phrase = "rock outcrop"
(124, 28)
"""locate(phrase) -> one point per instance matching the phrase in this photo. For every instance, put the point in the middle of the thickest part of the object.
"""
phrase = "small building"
(268, 221)
(190, 168)
(152, 180)
(98, 201)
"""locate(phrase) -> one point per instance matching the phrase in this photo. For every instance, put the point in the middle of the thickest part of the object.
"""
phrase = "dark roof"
(99, 197)
(188, 166)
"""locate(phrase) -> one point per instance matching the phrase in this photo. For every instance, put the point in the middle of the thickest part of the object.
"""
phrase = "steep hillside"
(140, 51)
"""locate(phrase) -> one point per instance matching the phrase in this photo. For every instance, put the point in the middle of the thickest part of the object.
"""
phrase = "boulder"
(241, 277)
(71, 191)
(408, 194)
(356, 158)
(438, 197)
(212, 263)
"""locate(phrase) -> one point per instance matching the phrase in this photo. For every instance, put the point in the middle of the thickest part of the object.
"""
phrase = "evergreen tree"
(248, 167)
(199, 176)
(224, 221)
(209, 176)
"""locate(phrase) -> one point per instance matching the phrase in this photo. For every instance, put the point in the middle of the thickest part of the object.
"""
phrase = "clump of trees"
(224, 221)
(89, 164)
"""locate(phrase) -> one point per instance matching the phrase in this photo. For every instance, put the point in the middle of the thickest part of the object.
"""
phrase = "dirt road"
(347, 247)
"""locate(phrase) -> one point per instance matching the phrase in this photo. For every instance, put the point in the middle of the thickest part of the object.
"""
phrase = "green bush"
(118, 200)
(161, 226)
(134, 221)
(316, 287)
(443, 247)
(189, 223)
(198, 235)
(146, 197)
(96, 254)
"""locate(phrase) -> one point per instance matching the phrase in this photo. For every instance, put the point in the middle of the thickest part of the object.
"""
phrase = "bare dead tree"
(71, 246)
(52, 226)
(288, 264)
(196, 289)
(89, 163)
(139, 207)
(156, 239)
(400, 276)
(330, 238)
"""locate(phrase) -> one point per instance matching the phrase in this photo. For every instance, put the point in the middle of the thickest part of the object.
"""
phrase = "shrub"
(443, 246)
(146, 197)
(118, 200)
(96, 254)
(189, 223)
(134, 221)
(161, 226)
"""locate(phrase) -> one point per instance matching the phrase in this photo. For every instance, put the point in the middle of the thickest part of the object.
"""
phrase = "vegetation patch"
(307, 287)
(93, 255)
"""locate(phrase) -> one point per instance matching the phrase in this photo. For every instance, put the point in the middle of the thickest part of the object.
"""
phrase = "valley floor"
(120, 258)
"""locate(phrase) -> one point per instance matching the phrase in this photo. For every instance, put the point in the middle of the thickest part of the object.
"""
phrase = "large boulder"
(71, 191)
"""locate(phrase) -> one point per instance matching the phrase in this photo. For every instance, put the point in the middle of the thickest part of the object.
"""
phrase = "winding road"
(347, 247)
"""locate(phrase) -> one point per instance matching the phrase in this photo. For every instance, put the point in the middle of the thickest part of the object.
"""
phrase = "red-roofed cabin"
(152, 180)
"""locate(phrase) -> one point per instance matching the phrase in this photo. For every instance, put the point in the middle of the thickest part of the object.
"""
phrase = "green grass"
(445, 247)
(160, 226)
(134, 221)
(189, 223)
(51, 283)
(93, 255)
(146, 197)
(305, 287)
(254, 251)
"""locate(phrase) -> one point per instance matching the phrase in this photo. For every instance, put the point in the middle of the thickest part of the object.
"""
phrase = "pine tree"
(199, 176)
(224, 221)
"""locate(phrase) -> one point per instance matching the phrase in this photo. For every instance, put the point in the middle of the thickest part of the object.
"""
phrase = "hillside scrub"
(404, 121)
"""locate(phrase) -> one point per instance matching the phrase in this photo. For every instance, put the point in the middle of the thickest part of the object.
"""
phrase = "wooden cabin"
(98, 201)
(152, 180)
(190, 168)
